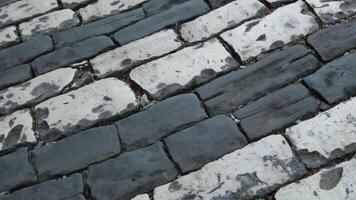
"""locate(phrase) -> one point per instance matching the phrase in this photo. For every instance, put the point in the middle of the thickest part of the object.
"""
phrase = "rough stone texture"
(35, 90)
(237, 88)
(205, 142)
(336, 80)
(327, 136)
(15, 75)
(8, 36)
(103, 8)
(253, 171)
(218, 3)
(131, 55)
(222, 18)
(185, 68)
(276, 111)
(25, 51)
(284, 25)
(76, 152)
(71, 54)
(49, 23)
(141, 197)
(338, 182)
(15, 170)
(83, 108)
(152, 7)
(335, 40)
(66, 188)
(131, 173)
(100, 27)
(74, 3)
(157, 22)
(7, 2)
(276, 3)
(160, 120)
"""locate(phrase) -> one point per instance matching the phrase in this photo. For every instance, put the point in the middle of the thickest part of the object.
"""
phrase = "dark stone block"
(218, 3)
(156, 6)
(15, 75)
(7, 2)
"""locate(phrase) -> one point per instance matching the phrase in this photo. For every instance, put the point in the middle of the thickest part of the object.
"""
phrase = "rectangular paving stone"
(237, 88)
(8, 36)
(76, 152)
(160, 21)
(284, 25)
(327, 136)
(152, 7)
(131, 173)
(161, 119)
(71, 54)
(15, 75)
(218, 3)
(251, 172)
(220, 19)
(183, 69)
(24, 52)
(74, 3)
(205, 142)
(126, 57)
(16, 170)
(335, 81)
(276, 111)
(16, 129)
(338, 182)
(65, 188)
(83, 108)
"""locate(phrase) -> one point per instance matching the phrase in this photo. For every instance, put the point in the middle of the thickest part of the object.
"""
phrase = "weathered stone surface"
(131, 173)
(16, 129)
(185, 68)
(284, 25)
(218, 3)
(276, 111)
(327, 136)
(157, 22)
(338, 182)
(100, 9)
(76, 152)
(49, 23)
(253, 171)
(335, 40)
(220, 19)
(25, 51)
(83, 108)
(66, 188)
(205, 142)
(159, 120)
(73, 3)
(141, 197)
(100, 27)
(229, 92)
(131, 55)
(152, 7)
(7, 2)
(77, 197)
(35, 90)
(276, 3)
(336, 80)
(15, 75)
(71, 54)
(15, 170)
(8, 36)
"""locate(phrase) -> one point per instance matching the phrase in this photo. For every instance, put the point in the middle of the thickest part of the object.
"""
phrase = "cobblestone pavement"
(177, 99)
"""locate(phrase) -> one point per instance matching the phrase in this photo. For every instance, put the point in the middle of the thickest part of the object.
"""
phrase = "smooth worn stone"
(335, 81)
(205, 142)
(152, 7)
(277, 3)
(35, 90)
(141, 197)
(338, 182)
(71, 54)
(183, 69)
(335, 40)
(327, 136)
(160, 21)
(49, 23)
(221, 19)
(63, 189)
(77, 197)
(83, 108)
(76, 152)
(100, 27)
(126, 57)
(251, 172)
(276, 111)
(25, 51)
(218, 3)
(15, 170)
(104, 8)
(229, 92)
(8, 36)
(16, 129)
(131, 173)
(160, 120)
(15, 75)
(284, 25)
(74, 3)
